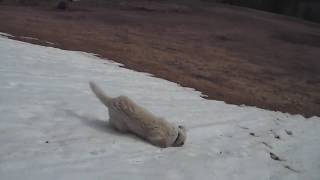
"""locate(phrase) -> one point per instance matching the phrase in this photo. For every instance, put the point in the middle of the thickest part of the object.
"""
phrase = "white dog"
(127, 116)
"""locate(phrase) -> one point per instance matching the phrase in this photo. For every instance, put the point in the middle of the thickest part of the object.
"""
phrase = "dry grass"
(233, 55)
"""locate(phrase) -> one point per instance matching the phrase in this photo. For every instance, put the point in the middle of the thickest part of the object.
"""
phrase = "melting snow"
(53, 127)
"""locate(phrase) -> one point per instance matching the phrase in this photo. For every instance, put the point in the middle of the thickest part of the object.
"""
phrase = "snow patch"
(50, 43)
(29, 38)
(5, 35)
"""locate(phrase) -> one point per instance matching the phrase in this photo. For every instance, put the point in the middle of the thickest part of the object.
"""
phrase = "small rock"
(289, 132)
(274, 157)
(275, 134)
(47, 142)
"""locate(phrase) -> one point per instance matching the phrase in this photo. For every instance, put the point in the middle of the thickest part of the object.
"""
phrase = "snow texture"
(53, 127)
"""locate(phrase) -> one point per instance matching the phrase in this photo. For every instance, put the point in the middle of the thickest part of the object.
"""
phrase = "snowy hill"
(53, 127)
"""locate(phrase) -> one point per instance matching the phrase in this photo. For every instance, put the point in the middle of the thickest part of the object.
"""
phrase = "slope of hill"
(52, 126)
(232, 54)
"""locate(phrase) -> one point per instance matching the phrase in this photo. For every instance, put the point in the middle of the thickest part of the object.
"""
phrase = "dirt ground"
(231, 54)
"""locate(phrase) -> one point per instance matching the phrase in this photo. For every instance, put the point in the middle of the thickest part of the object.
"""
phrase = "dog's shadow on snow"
(99, 124)
(93, 122)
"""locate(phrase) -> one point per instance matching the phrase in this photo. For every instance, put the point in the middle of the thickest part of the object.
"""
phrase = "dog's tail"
(99, 93)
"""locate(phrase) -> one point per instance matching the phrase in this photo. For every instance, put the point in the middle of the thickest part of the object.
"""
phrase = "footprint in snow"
(268, 145)
(275, 157)
(291, 169)
(253, 134)
(137, 160)
(275, 134)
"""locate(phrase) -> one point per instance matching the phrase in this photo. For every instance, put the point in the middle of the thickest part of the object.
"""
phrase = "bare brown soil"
(229, 54)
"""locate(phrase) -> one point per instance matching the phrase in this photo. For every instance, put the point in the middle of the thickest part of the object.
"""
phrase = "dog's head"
(181, 138)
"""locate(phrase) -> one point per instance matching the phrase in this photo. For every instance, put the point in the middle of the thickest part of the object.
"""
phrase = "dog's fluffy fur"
(127, 116)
